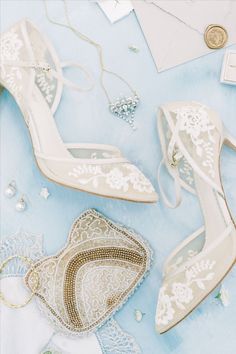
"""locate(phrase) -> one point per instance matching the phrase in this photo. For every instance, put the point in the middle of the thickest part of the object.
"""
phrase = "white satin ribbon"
(175, 175)
(47, 68)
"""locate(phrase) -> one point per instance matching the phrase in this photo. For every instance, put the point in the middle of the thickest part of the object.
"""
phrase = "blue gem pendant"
(124, 108)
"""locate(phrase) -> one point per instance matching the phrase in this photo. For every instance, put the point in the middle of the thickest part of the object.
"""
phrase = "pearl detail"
(21, 205)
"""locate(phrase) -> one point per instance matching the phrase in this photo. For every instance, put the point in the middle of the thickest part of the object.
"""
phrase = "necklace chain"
(94, 44)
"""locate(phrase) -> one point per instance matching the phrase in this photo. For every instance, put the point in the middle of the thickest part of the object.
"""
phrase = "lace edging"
(23, 244)
(114, 340)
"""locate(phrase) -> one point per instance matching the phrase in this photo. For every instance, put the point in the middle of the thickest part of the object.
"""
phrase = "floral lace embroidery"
(186, 171)
(10, 45)
(44, 81)
(13, 48)
(174, 265)
(115, 178)
(195, 122)
(182, 292)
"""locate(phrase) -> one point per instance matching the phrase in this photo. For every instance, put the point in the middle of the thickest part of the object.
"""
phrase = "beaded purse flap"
(92, 276)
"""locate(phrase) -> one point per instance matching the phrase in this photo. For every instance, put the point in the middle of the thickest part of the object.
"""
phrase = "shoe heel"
(229, 140)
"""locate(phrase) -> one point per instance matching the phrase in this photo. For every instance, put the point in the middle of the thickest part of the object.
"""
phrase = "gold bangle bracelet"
(28, 261)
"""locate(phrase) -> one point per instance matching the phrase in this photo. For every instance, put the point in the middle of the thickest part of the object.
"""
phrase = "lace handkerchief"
(92, 276)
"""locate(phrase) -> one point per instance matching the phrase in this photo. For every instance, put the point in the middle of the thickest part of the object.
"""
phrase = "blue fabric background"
(85, 118)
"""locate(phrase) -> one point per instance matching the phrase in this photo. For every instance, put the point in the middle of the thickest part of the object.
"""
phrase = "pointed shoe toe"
(113, 180)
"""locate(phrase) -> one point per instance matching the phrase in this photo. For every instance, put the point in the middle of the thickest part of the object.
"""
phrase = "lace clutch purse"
(92, 276)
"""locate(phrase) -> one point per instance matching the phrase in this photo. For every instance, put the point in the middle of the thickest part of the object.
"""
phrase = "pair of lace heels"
(191, 136)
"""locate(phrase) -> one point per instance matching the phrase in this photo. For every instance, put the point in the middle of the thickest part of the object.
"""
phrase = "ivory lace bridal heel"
(32, 73)
(191, 137)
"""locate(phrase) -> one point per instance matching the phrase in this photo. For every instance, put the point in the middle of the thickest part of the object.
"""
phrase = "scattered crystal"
(44, 193)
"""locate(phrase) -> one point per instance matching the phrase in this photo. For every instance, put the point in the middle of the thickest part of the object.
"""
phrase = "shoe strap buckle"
(176, 157)
(41, 65)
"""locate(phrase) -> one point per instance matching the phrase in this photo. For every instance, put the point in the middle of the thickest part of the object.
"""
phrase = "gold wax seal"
(215, 36)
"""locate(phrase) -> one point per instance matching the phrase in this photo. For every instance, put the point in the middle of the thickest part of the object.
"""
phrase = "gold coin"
(215, 36)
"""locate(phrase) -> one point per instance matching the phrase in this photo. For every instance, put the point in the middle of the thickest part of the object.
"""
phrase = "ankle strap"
(177, 185)
(44, 66)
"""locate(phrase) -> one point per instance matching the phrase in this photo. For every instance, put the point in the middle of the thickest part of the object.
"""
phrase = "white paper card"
(228, 71)
(174, 30)
(115, 9)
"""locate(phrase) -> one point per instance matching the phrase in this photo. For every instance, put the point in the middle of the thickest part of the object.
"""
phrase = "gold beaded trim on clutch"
(92, 276)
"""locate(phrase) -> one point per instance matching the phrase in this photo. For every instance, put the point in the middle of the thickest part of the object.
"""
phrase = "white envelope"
(228, 71)
(173, 42)
(115, 9)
